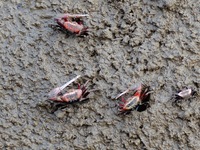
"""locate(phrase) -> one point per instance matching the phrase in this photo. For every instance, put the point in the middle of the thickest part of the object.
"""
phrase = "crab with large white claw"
(71, 95)
(139, 100)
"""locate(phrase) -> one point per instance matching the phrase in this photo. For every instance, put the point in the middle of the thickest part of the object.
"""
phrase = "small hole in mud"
(196, 84)
(141, 126)
(145, 61)
(137, 60)
(94, 53)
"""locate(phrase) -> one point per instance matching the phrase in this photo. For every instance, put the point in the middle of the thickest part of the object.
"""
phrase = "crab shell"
(141, 96)
(72, 26)
(72, 95)
(130, 103)
(184, 94)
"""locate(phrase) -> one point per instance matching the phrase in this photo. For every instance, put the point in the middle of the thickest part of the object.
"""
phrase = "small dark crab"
(185, 93)
(72, 95)
(139, 100)
(71, 23)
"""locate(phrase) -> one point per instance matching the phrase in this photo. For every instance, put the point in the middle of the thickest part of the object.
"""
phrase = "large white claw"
(132, 88)
(57, 90)
(72, 15)
(77, 15)
(122, 94)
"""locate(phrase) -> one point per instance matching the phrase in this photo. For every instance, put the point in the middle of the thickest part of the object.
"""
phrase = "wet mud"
(130, 41)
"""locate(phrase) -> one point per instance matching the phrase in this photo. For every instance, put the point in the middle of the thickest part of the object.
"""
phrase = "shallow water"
(154, 42)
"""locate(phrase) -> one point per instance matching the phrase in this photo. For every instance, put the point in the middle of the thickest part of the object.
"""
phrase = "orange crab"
(72, 23)
(139, 100)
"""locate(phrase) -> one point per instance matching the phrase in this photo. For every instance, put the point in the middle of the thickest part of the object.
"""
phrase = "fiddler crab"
(185, 93)
(139, 100)
(71, 23)
(72, 95)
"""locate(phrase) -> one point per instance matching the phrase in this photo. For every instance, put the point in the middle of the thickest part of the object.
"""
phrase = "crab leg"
(149, 92)
(57, 90)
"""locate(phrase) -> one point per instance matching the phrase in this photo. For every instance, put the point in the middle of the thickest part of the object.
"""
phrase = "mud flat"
(155, 42)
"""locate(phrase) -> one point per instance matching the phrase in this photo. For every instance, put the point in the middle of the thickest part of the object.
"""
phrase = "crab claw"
(122, 94)
(74, 15)
(132, 88)
(57, 90)
(65, 16)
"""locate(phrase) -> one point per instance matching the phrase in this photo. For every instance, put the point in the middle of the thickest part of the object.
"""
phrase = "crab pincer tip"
(54, 92)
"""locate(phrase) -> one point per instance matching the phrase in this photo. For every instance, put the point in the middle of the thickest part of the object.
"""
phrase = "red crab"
(72, 95)
(72, 23)
(138, 101)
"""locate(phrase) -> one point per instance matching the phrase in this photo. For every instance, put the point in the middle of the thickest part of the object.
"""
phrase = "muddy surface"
(154, 42)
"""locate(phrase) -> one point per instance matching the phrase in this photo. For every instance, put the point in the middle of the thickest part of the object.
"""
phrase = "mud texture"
(131, 41)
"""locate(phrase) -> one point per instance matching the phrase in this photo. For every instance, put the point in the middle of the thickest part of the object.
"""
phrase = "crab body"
(184, 94)
(72, 95)
(138, 101)
(72, 23)
(129, 104)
